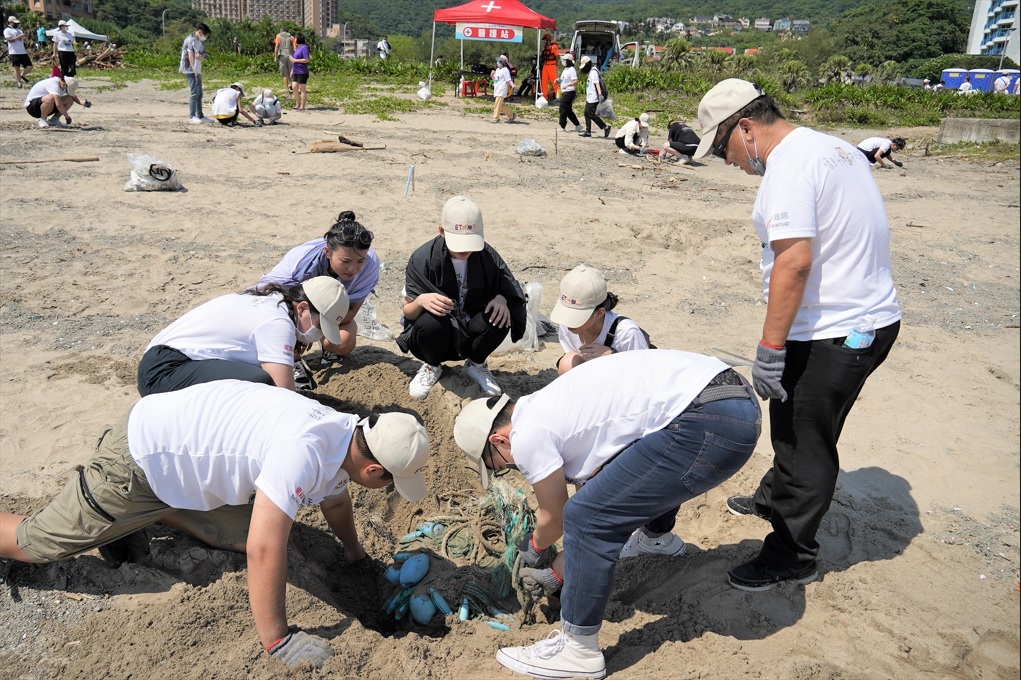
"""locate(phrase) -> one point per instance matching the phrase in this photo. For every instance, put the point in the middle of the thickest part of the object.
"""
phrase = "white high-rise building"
(994, 28)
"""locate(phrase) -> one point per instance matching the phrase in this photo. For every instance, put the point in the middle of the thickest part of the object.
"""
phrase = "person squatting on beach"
(681, 143)
(639, 433)
(265, 325)
(632, 137)
(825, 269)
(51, 98)
(227, 106)
(220, 462)
(460, 301)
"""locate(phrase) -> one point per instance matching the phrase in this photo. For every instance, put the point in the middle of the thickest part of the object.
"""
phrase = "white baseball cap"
(471, 430)
(401, 445)
(581, 291)
(585, 60)
(12, 20)
(62, 23)
(643, 120)
(72, 85)
(329, 297)
(720, 103)
(461, 220)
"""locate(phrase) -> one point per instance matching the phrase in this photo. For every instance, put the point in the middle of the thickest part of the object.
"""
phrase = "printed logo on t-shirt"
(317, 413)
(780, 219)
(299, 497)
(844, 159)
(288, 348)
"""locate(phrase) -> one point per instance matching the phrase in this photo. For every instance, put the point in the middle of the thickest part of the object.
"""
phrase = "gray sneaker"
(480, 374)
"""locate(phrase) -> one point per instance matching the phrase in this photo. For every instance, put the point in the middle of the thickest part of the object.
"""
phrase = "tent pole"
(432, 49)
(462, 54)
(538, 64)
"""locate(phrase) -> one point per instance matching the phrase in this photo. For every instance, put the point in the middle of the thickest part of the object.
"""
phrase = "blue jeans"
(195, 100)
(697, 451)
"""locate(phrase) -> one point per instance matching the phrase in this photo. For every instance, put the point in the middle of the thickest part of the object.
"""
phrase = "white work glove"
(299, 647)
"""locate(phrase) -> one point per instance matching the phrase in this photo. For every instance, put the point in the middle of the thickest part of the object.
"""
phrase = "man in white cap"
(16, 50)
(51, 98)
(63, 49)
(230, 463)
(227, 106)
(460, 301)
(640, 433)
(826, 271)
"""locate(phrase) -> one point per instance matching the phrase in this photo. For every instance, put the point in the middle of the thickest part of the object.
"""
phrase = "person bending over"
(878, 148)
(633, 137)
(681, 142)
(227, 105)
(51, 98)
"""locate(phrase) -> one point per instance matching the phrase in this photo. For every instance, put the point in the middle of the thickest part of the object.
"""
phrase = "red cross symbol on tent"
(491, 6)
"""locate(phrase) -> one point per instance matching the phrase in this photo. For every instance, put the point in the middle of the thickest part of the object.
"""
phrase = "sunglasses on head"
(349, 236)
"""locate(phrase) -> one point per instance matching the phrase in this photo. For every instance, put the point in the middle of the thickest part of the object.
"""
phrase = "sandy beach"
(920, 549)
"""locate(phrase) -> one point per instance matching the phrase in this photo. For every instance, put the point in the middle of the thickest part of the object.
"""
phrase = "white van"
(600, 41)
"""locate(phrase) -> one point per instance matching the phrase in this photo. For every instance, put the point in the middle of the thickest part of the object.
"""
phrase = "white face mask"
(203, 38)
(310, 336)
(756, 164)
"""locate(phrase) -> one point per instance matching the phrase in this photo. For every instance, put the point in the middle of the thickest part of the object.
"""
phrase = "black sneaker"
(756, 576)
(606, 132)
(744, 505)
(585, 134)
(303, 379)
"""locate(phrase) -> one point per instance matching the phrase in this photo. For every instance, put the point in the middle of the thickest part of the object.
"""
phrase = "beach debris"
(423, 609)
(84, 159)
(530, 147)
(330, 146)
(151, 174)
(414, 570)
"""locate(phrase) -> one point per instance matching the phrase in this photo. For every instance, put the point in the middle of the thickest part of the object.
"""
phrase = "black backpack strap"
(612, 333)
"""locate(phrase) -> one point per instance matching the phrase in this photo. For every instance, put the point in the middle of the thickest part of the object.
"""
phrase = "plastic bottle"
(863, 333)
(462, 613)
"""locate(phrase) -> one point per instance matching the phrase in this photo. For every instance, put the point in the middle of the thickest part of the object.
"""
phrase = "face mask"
(202, 38)
(756, 164)
(310, 336)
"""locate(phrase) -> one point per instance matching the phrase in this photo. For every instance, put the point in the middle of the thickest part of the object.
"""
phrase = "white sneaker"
(42, 123)
(424, 380)
(480, 374)
(578, 128)
(560, 655)
(640, 544)
(623, 152)
(194, 120)
(685, 159)
(203, 119)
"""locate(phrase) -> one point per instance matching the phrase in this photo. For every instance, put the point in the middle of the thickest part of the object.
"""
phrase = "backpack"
(612, 333)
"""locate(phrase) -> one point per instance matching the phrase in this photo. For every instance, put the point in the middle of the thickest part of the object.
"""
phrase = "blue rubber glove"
(767, 372)
(532, 556)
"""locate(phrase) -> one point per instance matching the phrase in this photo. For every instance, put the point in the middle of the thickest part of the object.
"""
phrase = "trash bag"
(151, 174)
(605, 109)
(534, 326)
(368, 324)
(423, 91)
(530, 147)
(541, 102)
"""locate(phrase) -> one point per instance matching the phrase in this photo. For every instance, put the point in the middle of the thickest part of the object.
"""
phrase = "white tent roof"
(78, 31)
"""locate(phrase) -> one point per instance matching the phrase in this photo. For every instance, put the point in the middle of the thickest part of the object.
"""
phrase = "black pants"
(622, 145)
(590, 117)
(68, 63)
(165, 369)
(686, 149)
(567, 109)
(822, 379)
(435, 339)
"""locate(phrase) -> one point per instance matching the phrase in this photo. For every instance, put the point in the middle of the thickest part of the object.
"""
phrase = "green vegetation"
(993, 152)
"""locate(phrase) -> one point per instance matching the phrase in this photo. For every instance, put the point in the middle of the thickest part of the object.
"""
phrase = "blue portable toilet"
(982, 79)
(953, 77)
(1011, 73)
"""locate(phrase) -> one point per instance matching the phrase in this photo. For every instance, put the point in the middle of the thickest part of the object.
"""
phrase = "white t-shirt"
(225, 102)
(18, 46)
(999, 85)
(965, 87)
(577, 423)
(879, 144)
(630, 130)
(820, 187)
(65, 41)
(44, 87)
(591, 93)
(214, 444)
(627, 337)
(501, 82)
(569, 75)
(250, 329)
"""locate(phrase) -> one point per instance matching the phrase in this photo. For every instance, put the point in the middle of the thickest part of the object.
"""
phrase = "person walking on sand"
(638, 434)
(548, 58)
(502, 83)
(244, 336)
(825, 273)
(193, 52)
(594, 95)
(299, 72)
(568, 83)
(51, 98)
(63, 50)
(16, 51)
(460, 301)
(231, 464)
(283, 47)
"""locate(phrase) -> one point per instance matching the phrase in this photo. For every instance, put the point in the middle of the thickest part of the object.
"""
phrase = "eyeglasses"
(507, 467)
(351, 235)
(720, 149)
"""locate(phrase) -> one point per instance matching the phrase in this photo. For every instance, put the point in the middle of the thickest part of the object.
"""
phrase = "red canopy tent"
(501, 12)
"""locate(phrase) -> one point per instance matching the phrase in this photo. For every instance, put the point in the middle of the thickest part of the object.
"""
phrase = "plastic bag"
(423, 91)
(541, 102)
(368, 325)
(534, 326)
(530, 147)
(150, 174)
(605, 109)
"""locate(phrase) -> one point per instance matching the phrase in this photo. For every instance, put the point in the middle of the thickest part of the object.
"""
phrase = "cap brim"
(568, 316)
(706, 145)
(411, 489)
(464, 243)
(483, 474)
(330, 330)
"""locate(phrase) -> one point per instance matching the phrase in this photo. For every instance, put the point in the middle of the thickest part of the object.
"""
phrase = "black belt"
(726, 385)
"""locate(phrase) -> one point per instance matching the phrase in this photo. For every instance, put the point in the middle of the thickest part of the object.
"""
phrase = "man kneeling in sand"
(230, 463)
(51, 98)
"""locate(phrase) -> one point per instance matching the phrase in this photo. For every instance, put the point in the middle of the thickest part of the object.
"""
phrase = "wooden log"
(89, 159)
(330, 146)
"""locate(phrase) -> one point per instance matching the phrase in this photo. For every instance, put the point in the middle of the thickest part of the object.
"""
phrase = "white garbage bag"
(150, 174)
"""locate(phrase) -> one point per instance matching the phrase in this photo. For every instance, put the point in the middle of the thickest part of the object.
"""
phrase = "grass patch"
(988, 151)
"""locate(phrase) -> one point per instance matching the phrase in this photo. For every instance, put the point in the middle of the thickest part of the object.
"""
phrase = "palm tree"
(886, 72)
(676, 54)
(836, 69)
(742, 64)
(793, 75)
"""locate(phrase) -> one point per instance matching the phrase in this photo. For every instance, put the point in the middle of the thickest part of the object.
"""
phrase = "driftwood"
(90, 159)
(102, 59)
(330, 146)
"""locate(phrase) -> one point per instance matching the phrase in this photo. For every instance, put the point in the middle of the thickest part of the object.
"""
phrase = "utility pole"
(163, 20)
(1003, 52)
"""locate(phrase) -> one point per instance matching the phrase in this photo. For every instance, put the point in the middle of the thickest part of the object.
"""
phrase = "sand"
(920, 550)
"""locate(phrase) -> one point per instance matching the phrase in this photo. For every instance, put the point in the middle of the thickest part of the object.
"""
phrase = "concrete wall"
(953, 130)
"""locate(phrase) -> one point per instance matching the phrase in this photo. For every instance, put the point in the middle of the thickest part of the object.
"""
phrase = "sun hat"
(461, 220)
(720, 103)
(329, 297)
(72, 85)
(401, 445)
(471, 431)
(581, 291)
(62, 23)
(643, 120)
(239, 86)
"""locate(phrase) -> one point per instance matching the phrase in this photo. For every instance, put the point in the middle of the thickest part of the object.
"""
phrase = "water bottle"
(862, 335)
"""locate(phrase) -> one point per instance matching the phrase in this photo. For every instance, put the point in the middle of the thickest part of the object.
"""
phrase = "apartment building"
(60, 9)
(994, 29)
(319, 16)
